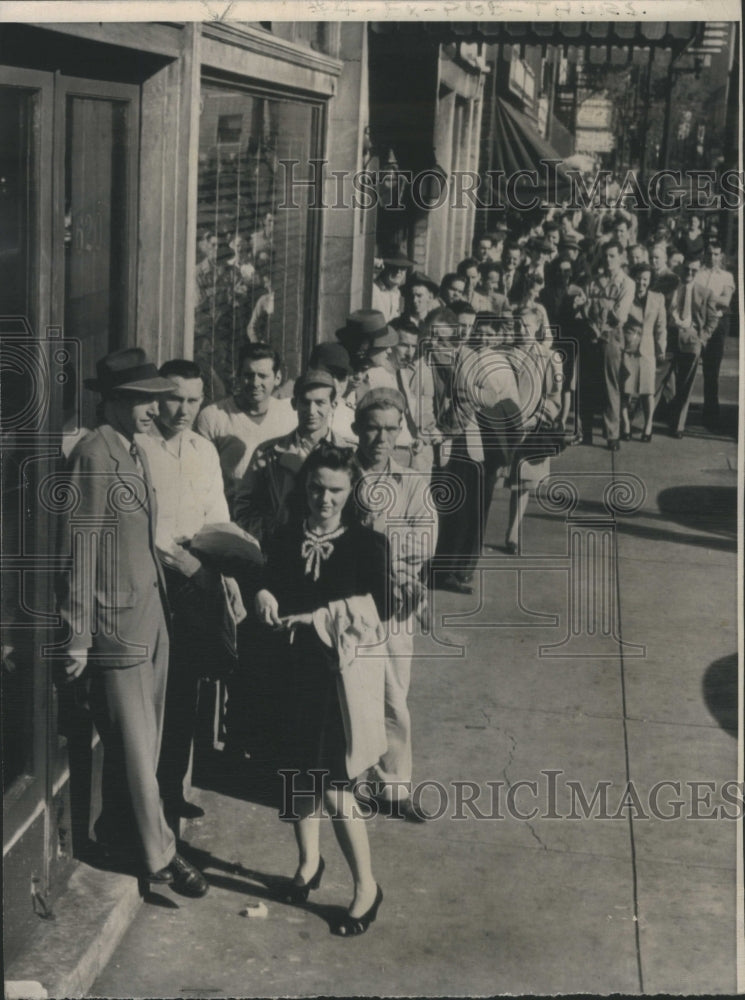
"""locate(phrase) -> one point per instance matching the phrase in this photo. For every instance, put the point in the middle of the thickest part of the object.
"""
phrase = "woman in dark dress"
(320, 570)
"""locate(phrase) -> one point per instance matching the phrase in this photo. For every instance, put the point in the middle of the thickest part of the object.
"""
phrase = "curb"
(64, 956)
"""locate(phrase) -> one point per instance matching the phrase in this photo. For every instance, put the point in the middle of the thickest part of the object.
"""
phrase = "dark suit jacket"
(114, 601)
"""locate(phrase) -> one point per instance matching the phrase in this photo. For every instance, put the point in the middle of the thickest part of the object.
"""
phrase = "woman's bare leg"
(308, 837)
(625, 418)
(518, 503)
(351, 832)
(648, 411)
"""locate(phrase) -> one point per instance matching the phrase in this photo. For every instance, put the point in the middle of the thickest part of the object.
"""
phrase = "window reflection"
(252, 259)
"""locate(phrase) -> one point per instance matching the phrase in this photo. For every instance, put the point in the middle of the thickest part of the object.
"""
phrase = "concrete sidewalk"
(506, 903)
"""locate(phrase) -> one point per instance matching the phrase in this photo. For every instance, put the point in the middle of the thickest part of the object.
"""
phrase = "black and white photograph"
(370, 463)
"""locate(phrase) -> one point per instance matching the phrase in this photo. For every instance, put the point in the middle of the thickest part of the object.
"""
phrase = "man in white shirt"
(238, 424)
(498, 236)
(721, 284)
(410, 524)
(419, 431)
(185, 471)
(386, 290)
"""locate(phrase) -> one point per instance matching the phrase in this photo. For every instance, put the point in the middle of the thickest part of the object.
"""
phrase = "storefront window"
(255, 260)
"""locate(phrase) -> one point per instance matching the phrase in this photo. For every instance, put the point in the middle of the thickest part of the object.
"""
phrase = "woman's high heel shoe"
(353, 926)
(299, 893)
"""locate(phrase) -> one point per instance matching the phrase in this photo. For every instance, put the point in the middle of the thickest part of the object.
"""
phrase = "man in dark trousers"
(114, 603)
(185, 468)
(694, 319)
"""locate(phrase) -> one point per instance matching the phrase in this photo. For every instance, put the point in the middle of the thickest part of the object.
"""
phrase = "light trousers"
(395, 766)
(127, 706)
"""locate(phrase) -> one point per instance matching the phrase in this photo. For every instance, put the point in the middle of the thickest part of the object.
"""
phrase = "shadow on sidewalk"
(720, 692)
(256, 884)
(237, 776)
(710, 509)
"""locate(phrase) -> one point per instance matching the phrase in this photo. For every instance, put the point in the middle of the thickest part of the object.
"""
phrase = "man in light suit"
(694, 319)
(114, 603)
(611, 296)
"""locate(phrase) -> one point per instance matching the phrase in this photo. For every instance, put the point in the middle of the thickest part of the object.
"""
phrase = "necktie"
(413, 430)
(134, 451)
(685, 312)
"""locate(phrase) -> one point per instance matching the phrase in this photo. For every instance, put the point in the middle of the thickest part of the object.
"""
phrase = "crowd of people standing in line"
(288, 535)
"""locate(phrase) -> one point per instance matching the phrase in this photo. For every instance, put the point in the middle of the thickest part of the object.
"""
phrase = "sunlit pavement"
(510, 894)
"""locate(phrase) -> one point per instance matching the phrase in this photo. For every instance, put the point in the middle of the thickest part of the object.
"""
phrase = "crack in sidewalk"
(508, 780)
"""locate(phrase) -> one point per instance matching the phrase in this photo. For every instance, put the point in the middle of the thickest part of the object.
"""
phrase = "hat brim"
(387, 339)
(431, 285)
(147, 385)
(402, 262)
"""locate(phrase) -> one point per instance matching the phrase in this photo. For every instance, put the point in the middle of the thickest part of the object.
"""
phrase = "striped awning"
(596, 36)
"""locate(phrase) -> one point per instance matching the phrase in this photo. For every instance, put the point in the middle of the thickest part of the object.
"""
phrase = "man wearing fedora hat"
(540, 251)
(334, 359)
(386, 291)
(380, 368)
(114, 603)
(358, 334)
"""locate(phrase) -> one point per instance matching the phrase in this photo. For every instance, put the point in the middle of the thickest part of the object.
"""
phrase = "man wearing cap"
(540, 251)
(411, 527)
(114, 602)
(185, 470)
(262, 495)
(421, 298)
(239, 423)
(386, 290)
(334, 359)
(571, 249)
(419, 431)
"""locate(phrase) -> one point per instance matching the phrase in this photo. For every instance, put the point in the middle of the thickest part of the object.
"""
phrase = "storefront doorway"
(68, 202)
